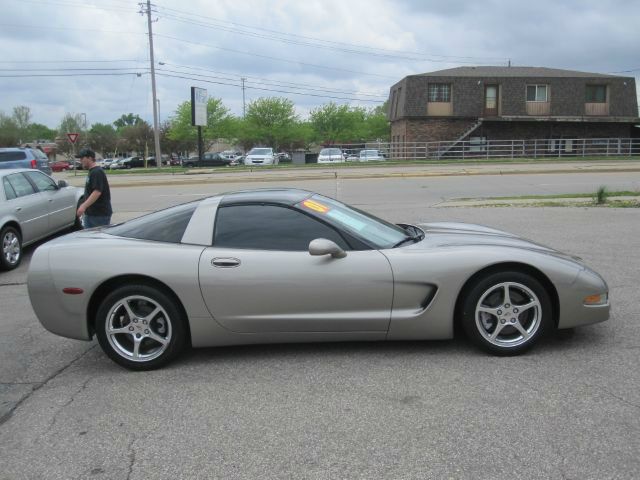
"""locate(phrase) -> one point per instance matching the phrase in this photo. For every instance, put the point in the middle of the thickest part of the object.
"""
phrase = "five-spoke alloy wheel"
(139, 327)
(506, 312)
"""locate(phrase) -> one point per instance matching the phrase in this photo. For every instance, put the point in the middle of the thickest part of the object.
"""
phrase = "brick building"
(504, 103)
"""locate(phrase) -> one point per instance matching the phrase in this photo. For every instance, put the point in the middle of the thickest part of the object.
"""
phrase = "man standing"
(96, 208)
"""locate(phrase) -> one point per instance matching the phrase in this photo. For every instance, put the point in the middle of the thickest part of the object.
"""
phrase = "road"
(568, 409)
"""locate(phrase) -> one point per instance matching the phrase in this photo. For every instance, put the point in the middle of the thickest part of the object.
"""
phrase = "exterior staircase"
(442, 151)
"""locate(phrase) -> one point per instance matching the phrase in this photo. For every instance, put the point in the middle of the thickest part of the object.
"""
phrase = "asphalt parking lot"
(414, 410)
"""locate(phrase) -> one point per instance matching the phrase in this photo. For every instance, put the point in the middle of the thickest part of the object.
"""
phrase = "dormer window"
(596, 94)
(537, 93)
(439, 92)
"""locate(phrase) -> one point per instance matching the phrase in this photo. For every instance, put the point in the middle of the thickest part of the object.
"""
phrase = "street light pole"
(156, 129)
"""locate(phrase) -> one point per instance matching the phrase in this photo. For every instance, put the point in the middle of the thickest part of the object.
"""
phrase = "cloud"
(282, 44)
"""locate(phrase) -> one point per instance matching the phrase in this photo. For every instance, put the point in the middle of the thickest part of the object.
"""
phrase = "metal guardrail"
(480, 148)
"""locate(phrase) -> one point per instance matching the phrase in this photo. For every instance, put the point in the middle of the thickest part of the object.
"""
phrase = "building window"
(537, 93)
(596, 94)
(439, 92)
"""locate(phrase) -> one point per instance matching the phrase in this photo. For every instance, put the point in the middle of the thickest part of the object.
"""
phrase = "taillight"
(34, 164)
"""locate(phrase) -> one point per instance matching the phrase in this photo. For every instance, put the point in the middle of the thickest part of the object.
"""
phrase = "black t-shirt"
(97, 180)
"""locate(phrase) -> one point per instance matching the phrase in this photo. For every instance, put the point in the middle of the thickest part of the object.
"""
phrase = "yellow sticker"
(315, 206)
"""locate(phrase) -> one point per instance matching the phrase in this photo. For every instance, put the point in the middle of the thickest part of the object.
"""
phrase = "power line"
(270, 82)
(273, 58)
(269, 89)
(247, 76)
(103, 74)
(222, 24)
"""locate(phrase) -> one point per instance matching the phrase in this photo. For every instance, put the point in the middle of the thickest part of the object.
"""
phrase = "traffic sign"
(73, 137)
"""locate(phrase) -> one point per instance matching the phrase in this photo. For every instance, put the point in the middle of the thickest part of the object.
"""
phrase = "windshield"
(330, 151)
(372, 230)
(261, 151)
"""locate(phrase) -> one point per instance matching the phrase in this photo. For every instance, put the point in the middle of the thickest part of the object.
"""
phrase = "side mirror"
(62, 184)
(322, 246)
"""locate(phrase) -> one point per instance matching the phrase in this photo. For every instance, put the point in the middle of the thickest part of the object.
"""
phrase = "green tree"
(22, 116)
(37, 131)
(269, 121)
(137, 137)
(102, 137)
(9, 131)
(127, 120)
(219, 125)
(377, 124)
(71, 123)
(338, 123)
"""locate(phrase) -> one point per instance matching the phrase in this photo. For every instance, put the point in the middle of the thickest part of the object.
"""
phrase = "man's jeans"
(90, 221)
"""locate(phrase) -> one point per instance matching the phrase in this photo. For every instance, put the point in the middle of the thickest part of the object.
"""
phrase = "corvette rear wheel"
(139, 328)
(11, 243)
(506, 313)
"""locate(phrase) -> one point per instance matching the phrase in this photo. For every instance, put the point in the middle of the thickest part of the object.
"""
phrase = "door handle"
(18, 209)
(225, 262)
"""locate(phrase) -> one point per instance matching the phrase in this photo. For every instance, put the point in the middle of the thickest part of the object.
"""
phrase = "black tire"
(503, 327)
(189, 165)
(167, 324)
(10, 248)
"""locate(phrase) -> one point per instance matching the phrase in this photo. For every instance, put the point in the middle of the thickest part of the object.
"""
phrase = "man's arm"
(88, 202)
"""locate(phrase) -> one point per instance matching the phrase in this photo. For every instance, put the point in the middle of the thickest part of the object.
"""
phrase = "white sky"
(352, 49)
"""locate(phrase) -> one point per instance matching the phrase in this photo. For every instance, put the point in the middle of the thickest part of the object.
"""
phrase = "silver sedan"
(32, 206)
(286, 265)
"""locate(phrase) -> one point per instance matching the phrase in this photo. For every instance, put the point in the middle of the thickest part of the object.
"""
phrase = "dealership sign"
(198, 107)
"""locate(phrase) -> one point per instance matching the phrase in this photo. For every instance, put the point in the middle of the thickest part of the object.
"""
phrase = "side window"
(269, 227)
(9, 193)
(43, 183)
(20, 184)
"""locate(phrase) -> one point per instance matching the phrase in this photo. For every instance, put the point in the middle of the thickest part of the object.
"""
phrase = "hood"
(449, 234)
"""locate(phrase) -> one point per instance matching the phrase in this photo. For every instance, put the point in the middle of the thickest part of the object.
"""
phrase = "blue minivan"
(24, 158)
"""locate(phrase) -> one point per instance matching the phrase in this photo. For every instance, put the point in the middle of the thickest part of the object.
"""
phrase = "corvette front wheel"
(139, 328)
(506, 313)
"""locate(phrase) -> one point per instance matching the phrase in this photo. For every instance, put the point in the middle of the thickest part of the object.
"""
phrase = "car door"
(61, 201)
(259, 276)
(29, 207)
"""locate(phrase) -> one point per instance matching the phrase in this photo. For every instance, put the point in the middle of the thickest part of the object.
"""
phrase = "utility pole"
(243, 104)
(156, 128)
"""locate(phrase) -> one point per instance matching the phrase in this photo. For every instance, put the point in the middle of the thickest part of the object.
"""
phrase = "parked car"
(130, 162)
(32, 206)
(283, 157)
(24, 158)
(209, 160)
(60, 166)
(370, 155)
(331, 155)
(231, 154)
(106, 162)
(261, 156)
(317, 270)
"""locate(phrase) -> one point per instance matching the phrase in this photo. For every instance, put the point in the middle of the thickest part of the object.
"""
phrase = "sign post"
(73, 138)
(199, 115)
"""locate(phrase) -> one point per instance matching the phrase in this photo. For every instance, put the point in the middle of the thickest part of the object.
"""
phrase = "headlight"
(598, 299)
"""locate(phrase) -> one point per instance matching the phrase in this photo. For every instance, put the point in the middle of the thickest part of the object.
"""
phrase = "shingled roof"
(489, 71)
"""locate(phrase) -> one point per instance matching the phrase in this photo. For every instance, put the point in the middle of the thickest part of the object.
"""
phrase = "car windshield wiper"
(408, 238)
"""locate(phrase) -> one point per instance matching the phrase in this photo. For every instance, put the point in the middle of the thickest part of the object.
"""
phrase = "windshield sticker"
(345, 219)
(315, 206)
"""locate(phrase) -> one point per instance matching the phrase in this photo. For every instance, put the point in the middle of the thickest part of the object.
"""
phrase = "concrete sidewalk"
(262, 174)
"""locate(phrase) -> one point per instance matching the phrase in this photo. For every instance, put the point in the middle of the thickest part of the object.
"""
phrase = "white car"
(331, 155)
(369, 155)
(261, 156)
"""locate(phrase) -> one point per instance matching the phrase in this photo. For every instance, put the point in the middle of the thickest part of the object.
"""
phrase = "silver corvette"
(285, 265)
